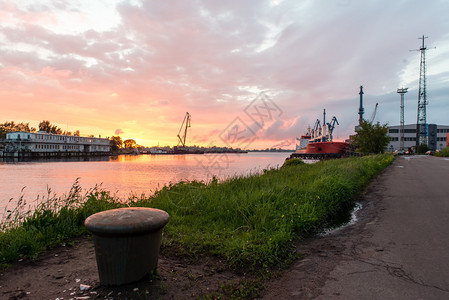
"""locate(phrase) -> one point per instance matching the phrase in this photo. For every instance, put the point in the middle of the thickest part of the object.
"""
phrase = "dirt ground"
(63, 272)
(70, 272)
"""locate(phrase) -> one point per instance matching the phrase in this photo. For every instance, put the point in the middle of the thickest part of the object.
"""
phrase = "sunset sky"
(266, 68)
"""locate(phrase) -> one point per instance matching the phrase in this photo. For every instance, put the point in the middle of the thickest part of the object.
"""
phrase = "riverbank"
(246, 225)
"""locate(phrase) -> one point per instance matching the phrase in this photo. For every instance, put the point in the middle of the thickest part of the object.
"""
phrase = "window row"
(47, 147)
(392, 130)
(406, 139)
(57, 147)
(57, 138)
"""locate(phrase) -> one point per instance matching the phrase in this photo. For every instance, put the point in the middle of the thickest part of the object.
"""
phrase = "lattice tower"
(421, 122)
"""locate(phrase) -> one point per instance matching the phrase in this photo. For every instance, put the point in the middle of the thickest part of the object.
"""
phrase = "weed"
(244, 289)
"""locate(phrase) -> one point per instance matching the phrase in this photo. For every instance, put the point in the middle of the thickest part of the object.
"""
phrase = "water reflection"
(124, 175)
(11, 160)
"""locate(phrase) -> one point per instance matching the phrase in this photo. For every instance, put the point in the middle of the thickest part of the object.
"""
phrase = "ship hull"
(324, 150)
(325, 147)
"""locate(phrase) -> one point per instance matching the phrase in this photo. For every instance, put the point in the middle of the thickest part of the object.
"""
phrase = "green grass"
(443, 153)
(251, 221)
(27, 233)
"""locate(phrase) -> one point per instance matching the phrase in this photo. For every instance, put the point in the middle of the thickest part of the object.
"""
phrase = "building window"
(409, 130)
(393, 130)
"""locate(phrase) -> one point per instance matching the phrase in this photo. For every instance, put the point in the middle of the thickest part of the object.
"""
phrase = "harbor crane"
(374, 114)
(323, 132)
(331, 126)
(316, 130)
(185, 125)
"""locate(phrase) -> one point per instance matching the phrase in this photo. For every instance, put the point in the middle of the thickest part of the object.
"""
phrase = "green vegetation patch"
(249, 221)
(443, 153)
(27, 233)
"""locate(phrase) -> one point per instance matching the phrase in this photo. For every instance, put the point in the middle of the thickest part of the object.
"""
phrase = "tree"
(371, 138)
(130, 143)
(45, 126)
(12, 127)
(48, 127)
(422, 149)
(116, 143)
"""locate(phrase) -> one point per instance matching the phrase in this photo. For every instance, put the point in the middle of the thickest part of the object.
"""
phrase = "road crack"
(397, 270)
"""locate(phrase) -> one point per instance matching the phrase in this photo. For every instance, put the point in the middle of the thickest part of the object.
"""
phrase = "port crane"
(185, 125)
(316, 130)
(323, 133)
(331, 126)
(374, 114)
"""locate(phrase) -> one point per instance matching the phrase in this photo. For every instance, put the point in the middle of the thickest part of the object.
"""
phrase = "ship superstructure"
(318, 142)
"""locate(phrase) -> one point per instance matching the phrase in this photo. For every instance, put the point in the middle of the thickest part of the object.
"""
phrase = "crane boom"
(374, 114)
(316, 131)
(331, 126)
(185, 124)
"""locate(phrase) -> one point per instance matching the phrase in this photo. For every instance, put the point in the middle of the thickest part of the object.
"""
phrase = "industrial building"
(43, 144)
(437, 136)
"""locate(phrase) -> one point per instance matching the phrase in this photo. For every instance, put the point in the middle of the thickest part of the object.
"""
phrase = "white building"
(43, 142)
(438, 136)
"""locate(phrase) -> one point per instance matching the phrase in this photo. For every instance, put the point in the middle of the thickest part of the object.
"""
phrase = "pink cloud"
(52, 73)
(166, 58)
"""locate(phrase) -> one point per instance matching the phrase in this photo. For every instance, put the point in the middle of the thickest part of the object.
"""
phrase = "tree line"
(117, 143)
(45, 125)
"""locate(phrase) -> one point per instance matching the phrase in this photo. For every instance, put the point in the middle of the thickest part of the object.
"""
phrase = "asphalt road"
(398, 249)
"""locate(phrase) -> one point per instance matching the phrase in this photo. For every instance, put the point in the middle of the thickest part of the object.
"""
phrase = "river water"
(124, 175)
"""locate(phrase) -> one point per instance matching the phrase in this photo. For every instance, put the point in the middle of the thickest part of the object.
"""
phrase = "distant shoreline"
(105, 157)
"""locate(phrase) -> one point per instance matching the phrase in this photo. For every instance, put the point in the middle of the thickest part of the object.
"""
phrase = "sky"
(252, 74)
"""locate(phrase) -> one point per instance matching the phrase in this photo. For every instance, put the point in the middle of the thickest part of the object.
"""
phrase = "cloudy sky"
(264, 69)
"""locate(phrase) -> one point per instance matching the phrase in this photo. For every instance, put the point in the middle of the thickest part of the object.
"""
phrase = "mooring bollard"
(127, 242)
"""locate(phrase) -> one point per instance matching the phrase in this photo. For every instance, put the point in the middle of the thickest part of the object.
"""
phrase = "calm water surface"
(124, 175)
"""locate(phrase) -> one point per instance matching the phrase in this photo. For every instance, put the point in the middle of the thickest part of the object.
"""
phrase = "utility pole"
(402, 91)
(421, 120)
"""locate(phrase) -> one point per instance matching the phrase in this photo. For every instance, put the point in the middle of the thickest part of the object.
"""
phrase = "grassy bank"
(244, 220)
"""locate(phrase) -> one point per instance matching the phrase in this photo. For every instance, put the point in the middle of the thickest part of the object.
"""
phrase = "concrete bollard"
(127, 242)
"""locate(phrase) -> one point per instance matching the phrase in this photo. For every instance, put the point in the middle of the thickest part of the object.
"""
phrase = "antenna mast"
(421, 121)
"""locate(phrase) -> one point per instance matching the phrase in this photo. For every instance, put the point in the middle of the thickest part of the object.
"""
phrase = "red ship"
(317, 142)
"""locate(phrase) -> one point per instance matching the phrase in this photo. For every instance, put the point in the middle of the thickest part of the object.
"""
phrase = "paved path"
(399, 248)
